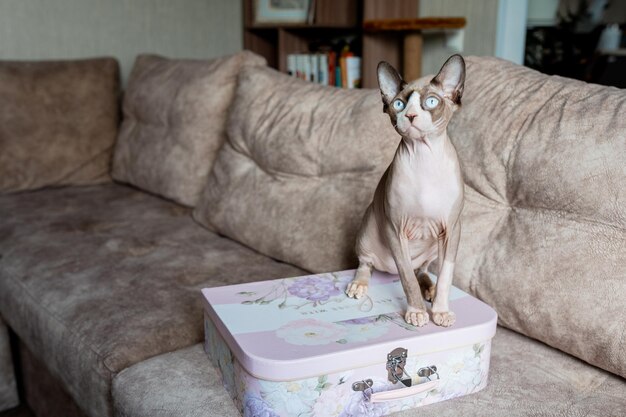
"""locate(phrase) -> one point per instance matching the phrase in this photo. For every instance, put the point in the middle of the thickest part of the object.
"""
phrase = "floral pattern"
(320, 291)
(364, 329)
(314, 288)
(220, 355)
(311, 332)
(331, 402)
(291, 398)
(255, 406)
(461, 371)
(461, 374)
(312, 301)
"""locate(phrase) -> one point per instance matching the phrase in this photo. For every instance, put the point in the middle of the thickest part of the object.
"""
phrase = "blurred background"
(581, 39)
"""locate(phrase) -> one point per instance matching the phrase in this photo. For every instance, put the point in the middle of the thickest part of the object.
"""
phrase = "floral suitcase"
(301, 347)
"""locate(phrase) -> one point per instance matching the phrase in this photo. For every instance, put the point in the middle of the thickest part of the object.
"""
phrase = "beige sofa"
(227, 171)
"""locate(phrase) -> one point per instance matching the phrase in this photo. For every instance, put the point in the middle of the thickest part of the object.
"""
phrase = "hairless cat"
(414, 217)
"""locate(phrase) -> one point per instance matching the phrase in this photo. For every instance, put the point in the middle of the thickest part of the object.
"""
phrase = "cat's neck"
(432, 146)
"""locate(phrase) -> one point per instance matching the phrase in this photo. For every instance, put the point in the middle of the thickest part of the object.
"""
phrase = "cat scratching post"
(411, 29)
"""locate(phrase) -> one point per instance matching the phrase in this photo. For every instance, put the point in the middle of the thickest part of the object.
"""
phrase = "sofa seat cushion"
(181, 383)
(526, 378)
(95, 279)
(544, 223)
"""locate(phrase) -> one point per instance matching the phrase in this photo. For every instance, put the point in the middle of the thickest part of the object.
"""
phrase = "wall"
(49, 29)
(479, 34)
(542, 12)
(511, 30)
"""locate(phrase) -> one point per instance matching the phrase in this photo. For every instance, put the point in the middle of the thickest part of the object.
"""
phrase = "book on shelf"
(353, 72)
(327, 68)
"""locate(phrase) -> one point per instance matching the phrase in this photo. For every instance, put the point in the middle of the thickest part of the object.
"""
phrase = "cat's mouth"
(411, 132)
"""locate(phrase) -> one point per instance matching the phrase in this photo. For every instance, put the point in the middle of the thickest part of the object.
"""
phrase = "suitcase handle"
(378, 397)
(396, 394)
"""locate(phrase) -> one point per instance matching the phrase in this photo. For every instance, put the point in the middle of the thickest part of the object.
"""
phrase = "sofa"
(115, 210)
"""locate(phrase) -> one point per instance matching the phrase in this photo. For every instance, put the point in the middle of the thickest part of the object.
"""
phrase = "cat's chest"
(424, 192)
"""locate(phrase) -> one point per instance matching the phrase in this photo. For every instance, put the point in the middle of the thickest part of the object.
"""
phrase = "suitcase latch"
(427, 372)
(396, 361)
(362, 385)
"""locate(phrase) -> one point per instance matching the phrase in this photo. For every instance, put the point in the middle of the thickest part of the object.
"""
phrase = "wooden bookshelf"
(412, 29)
(369, 22)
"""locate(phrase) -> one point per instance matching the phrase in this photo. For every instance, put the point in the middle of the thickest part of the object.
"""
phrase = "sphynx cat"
(414, 217)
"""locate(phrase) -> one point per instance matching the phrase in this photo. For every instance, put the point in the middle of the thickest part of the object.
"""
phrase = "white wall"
(479, 36)
(511, 30)
(542, 12)
(49, 29)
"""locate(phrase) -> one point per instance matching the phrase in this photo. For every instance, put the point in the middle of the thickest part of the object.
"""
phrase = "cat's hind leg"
(357, 288)
(426, 284)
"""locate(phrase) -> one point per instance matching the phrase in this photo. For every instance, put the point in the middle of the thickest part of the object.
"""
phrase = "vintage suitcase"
(301, 347)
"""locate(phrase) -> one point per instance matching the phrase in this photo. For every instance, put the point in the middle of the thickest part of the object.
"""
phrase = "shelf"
(302, 26)
(406, 25)
(334, 19)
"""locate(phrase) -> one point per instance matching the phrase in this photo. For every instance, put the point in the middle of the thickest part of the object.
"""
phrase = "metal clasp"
(365, 386)
(362, 385)
(427, 372)
(396, 361)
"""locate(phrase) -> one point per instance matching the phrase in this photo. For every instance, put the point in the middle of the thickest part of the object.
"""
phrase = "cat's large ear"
(389, 81)
(451, 78)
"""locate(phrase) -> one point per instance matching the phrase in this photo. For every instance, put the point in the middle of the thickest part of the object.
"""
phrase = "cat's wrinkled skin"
(414, 217)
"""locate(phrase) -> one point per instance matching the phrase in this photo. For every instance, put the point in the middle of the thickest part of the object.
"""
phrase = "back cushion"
(58, 122)
(544, 223)
(174, 122)
(298, 170)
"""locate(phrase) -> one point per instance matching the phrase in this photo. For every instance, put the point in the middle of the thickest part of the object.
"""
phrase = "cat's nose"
(411, 116)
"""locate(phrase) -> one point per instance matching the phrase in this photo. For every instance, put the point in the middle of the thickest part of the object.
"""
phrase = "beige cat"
(414, 217)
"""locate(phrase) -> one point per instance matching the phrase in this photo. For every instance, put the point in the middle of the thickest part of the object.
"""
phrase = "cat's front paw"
(356, 289)
(444, 319)
(416, 317)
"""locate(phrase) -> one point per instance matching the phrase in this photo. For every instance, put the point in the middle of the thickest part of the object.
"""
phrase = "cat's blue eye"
(431, 102)
(398, 105)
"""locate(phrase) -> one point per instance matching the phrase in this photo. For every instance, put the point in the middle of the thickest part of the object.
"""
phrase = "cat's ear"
(389, 81)
(451, 78)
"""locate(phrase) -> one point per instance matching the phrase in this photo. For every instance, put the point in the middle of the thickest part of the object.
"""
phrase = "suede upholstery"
(42, 392)
(152, 388)
(174, 122)
(298, 169)
(8, 386)
(58, 122)
(104, 280)
(544, 224)
(96, 279)
(527, 378)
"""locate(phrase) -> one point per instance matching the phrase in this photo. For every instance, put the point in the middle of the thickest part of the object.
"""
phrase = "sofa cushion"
(181, 383)
(8, 385)
(544, 224)
(298, 169)
(526, 378)
(95, 279)
(174, 121)
(58, 122)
